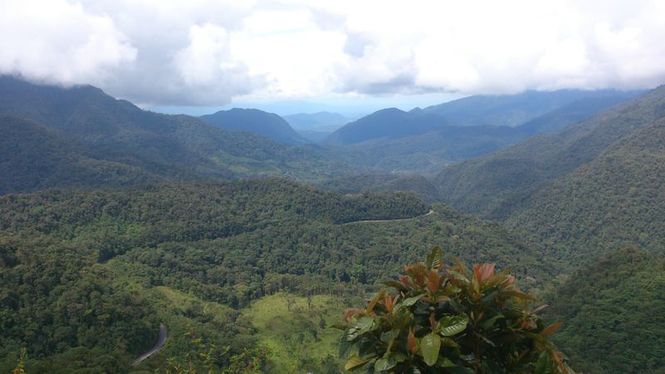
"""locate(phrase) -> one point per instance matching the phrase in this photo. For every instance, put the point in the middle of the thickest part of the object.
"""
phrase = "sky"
(343, 55)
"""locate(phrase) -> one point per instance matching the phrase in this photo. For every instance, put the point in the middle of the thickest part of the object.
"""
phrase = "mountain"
(426, 140)
(613, 314)
(88, 276)
(500, 183)
(262, 123)
(169, 146)
(575, 112)
(429, 152)
(616, 199)
(33, 157)
(510, 110)
(384, 124)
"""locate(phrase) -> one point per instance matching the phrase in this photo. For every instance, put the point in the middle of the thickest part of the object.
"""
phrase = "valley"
(246, 241)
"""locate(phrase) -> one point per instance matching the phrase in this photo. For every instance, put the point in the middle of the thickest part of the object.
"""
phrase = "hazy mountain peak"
(256, 121)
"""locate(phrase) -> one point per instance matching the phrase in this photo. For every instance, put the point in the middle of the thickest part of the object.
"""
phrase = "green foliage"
(616, 200)
(88, 277)
(614, 314)
(448, 319)
(298, 331)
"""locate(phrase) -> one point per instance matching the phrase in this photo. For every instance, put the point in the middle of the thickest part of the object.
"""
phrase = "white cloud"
(206, 52)
(60, 42)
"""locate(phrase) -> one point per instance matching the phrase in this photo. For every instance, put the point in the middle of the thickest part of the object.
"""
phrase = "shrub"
(449, 319)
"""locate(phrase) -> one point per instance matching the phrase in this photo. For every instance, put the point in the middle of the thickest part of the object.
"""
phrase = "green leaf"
(364, 325)
(389, 335)
(543, 365)
(354, 362)
(452, 325)
(448, 342)
(491, 321)
(429, 346)
(411, 300)
(445, 362)
(434, 258)
(384, 364)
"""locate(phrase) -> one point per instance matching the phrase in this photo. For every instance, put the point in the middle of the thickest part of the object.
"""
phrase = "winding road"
(431, 211)
(158, 345)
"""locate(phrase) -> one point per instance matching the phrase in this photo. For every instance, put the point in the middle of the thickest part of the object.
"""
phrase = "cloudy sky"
(213, 53)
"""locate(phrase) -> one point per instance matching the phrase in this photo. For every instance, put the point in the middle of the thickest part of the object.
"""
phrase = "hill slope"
(388, 123)
(166, 145)
(613, 314)
(32, 158)
(615, 200)
(510, 110)
(497, 184)
(262, 123)
(426, 140)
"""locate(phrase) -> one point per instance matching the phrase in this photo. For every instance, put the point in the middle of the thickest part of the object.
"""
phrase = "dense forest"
(614, 313)
(86, 273)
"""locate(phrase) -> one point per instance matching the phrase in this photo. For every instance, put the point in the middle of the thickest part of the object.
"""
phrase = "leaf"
(551, 329)
(433, 281)
(447, 342)
(411, 342)
(374, 301)
(543, 365)
(411, 300)
(452, 325)
(434, 258)
(395, 284)
(445, 362)
(389, 335)
(364, 324)
(355, 361)
(430, 346)
(384, 364)
(540, 309)
(491, 321)
(483, 272)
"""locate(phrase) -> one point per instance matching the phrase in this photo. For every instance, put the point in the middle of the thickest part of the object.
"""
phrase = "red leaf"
(411, 342)
(483, 272)
(433, 281)
(551, 329)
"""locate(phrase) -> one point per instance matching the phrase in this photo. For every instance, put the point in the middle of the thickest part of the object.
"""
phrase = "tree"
(448, 319)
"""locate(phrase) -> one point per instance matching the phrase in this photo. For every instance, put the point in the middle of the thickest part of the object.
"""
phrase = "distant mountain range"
(255, 121)
(425, 140)
(498, 184)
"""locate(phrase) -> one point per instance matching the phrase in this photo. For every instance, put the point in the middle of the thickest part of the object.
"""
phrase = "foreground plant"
(449, 319)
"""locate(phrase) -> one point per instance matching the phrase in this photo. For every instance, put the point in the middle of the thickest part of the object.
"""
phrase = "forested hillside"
(171, 146)
(33, 157)
(92, 274)
(498, 184)
(614, 314)
(615, 200)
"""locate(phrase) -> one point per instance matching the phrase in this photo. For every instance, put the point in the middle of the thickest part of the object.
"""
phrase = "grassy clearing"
(298, 333)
